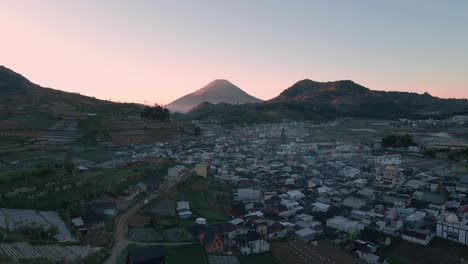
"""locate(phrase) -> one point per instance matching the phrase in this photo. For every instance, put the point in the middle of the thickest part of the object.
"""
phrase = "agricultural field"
(438, 251)
(208, 199)
(53, 187)
(354, 130)
(27, 253)
(192, 253)
(373, 130)
(262, 258)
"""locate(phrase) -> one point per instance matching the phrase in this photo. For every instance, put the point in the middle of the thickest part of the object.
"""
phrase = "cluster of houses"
(289, 189)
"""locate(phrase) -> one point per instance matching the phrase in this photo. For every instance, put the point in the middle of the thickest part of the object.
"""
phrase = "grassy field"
(96, 155)
(210, 200)
(262, 258)
(192, 253)
(16, 174)
(186, 254)
(438, 251)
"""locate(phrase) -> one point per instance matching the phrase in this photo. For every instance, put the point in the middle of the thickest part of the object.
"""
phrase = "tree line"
(155, 112)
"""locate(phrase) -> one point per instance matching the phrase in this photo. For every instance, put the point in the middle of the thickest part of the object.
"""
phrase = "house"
(397, 199)
(370, 257)
(276, 230)
(93, 221)
(320, 207)
(416, 220)
(451, 228)
(423, 237)
(388, 159)
(201, 170)
(390, 177)
(252, 243)
(230, 231)
(305, 234)
(295, 194)
(176, 171)
(247, 195)
(143, 187)
(132, 192)
(149, 255)
(211, 240)
(344, 224)
(200, 221)
(350, 172)
(237, 221)
(354, 202)
(183, 209)
(79, 224)
(153, 185)
(360, 183)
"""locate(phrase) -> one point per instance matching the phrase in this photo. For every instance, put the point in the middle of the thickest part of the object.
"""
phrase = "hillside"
(218, 91)
(12, 82)
(20, 98)
(346, 98)
(308, 99)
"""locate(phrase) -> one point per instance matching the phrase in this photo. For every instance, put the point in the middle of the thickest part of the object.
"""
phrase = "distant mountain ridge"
(307, 99)
(217, 91)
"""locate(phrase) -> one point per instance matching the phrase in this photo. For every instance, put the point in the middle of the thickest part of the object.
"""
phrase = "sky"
(155, 51)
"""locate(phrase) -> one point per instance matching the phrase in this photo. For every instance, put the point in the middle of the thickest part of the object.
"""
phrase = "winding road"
(121, 241)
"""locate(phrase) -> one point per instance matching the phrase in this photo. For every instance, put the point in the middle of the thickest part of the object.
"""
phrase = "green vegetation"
(252, 113)
(20, 174)
(262, 258)
(192, 253)
(458, 155)
(95, 155)
(438, 251)
(432, 153)
(32, 234)
(6, 260)
(156, 112)
(208, 199)
(397, 141)
(55, 188)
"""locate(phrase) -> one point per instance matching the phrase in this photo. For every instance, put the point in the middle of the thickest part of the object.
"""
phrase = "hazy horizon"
(158, 51)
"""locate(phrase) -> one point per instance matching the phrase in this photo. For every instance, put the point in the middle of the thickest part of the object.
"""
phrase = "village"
(351, 199)
(275, 193)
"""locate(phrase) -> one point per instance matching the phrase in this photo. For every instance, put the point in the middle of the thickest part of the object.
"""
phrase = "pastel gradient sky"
(158, 50)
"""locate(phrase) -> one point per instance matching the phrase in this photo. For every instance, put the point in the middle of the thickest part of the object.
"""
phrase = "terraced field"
(24, 251)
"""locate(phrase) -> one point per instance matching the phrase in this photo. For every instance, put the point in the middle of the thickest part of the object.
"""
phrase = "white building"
(351, 172)
(449, 227)
(183, 209)
(295, 194)
(252, 243)
(176, 170)
(247, 194)
(388, 159)
(344, 224)
(320, 207)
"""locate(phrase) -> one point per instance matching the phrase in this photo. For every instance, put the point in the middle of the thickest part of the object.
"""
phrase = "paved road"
(121, 240)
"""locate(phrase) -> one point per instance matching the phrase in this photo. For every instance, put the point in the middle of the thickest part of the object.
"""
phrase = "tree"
(430, 153)
(68, 162)
(397, 141)
(155, 112)
(283, 135)
(197, 131)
